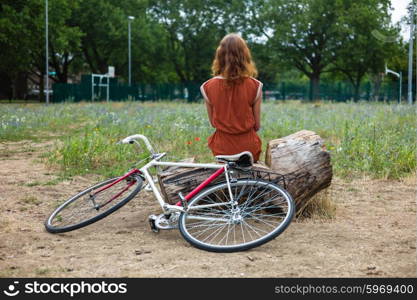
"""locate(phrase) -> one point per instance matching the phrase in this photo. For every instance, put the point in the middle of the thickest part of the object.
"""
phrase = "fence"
(90, 90)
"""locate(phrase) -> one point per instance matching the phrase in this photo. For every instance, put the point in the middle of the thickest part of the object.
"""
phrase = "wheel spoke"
(271, 224)
(254, 228)
(243, 232)
(82, 208)
(215, 233)
(262, 210)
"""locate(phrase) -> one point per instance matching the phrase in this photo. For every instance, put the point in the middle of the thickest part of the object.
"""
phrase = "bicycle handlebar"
(132, 139)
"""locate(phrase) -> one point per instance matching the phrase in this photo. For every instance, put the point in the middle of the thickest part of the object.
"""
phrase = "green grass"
(363, 138)
(42, 271)
(30, 200)
(34, 183)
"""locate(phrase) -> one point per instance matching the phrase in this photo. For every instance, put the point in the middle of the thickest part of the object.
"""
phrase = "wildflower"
(197, 139)
(189, 143)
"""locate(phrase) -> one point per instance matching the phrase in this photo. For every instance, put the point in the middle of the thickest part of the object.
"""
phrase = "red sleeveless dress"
(232, 115)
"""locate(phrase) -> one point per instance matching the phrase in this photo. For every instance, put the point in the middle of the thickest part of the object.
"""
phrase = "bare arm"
(208, 105)
(257, 112)
(210, 112)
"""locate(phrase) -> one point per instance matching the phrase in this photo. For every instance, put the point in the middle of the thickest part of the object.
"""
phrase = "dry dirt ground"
(373, 233)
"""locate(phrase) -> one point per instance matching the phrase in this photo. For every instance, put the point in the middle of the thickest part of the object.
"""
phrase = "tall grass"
(370, 138)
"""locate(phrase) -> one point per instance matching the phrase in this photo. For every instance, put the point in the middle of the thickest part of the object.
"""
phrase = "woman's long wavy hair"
(233, 59)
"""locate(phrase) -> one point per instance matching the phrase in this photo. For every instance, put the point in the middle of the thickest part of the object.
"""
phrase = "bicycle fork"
(129, 184)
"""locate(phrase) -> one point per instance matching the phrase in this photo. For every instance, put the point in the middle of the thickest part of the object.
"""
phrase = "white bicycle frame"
(167, 208)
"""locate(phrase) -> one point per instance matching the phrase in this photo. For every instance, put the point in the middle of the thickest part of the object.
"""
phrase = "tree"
(22, 39)
(103, 25)
(194, 29)
(369, 41)
(15, 42)
(175, 40)
(304, 33)
(105, 40)
(65, 38)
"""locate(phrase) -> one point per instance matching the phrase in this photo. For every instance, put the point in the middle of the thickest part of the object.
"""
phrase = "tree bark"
(299, 163)
(376, 81)
(20, 86)
(356, 92)
(304, 161)
(315, 86)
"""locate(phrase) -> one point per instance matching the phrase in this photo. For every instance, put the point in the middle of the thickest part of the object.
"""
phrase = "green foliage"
(368, 42)
(193, 30)
(173, 41)
(22, 40)
(363, 138)
(318, 36)
(384, 148)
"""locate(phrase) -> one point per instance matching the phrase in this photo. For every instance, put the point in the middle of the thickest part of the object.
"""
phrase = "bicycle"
(235, 214)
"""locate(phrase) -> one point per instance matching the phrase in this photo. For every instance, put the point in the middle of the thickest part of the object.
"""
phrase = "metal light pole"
(410, 57)
(415, 37)
(46, 53)
(400, 88)
(130, 19)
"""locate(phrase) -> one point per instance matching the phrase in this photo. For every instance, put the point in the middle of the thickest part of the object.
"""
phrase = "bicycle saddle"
(243, 159)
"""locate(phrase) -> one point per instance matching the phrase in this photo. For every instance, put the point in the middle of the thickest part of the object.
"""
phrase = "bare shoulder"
(256, 81)
(258, 88)
(206, 87)
(210, 81)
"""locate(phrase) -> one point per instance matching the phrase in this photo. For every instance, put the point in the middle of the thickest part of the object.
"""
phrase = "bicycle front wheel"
(259, 212)
(93, 204)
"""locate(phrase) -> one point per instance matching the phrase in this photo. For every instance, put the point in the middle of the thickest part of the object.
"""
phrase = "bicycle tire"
(54, 224)
(250, 209)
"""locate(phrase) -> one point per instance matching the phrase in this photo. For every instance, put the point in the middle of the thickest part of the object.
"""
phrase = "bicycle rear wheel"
(93, 204)
(260, 211)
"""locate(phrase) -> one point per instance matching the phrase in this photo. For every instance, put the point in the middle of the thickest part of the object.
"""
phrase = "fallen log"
(298, 162)
(304, 161)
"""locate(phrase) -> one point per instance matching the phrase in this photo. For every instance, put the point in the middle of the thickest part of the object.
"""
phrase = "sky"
(400, 10)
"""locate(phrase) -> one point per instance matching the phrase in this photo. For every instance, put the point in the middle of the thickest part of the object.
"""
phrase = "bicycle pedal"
(152, 219)
(164, 222)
